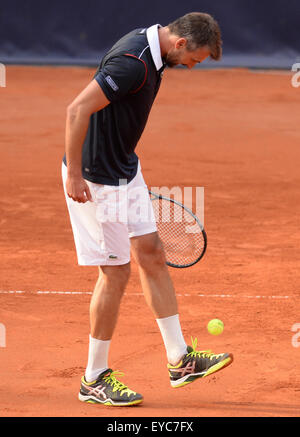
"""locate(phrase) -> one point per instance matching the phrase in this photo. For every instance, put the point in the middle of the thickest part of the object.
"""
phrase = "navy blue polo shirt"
(130, 76)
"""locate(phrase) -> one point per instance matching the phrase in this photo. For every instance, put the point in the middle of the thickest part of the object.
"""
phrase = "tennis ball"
(215, 326)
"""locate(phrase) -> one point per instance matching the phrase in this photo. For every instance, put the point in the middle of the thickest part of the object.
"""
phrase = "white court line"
(218, 296)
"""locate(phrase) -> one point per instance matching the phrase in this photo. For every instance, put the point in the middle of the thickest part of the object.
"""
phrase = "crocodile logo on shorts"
(112, 257)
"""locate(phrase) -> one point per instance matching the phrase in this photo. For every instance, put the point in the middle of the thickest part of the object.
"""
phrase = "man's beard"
(171, 60)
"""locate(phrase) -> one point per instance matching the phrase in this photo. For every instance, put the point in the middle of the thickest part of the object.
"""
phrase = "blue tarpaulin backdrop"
(256, 33)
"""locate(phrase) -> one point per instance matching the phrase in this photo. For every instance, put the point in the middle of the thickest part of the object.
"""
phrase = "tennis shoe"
(107, 390)
(197, 364)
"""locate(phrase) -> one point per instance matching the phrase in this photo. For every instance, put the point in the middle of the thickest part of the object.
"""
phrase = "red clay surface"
(234, 132)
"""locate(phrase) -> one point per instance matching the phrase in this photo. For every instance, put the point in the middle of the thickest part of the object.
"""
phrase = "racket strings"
(179, 231)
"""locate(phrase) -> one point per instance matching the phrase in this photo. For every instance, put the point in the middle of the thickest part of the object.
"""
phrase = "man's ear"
(180, 43)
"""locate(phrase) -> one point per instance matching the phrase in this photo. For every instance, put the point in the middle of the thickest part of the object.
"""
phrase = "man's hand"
(78, 190)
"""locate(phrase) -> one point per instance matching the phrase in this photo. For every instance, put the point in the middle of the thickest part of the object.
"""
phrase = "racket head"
(181, 232)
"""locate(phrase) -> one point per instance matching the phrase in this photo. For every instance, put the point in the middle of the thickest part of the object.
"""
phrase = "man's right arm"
(92, 99)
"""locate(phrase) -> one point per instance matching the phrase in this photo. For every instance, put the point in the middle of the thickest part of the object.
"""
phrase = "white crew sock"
(97, 359)
(173, 339)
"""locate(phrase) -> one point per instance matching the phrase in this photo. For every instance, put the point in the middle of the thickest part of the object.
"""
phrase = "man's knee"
(150, 253)
(117, 276)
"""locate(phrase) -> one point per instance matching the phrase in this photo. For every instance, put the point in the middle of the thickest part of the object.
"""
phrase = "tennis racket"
(181, 232)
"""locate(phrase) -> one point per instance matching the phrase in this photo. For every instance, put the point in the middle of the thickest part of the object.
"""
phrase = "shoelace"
(118, 385)
(201, 354)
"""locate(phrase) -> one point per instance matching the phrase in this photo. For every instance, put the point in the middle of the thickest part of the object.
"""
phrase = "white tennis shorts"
(102, 228)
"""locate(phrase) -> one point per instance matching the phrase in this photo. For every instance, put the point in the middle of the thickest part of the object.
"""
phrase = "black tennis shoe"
(197, 364)
(107, 390)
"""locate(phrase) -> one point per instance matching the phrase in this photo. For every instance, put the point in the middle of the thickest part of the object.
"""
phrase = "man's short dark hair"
(200, 30)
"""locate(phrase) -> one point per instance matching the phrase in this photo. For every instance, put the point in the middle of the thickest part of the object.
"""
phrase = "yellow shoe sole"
(211, 370)
(111, 404)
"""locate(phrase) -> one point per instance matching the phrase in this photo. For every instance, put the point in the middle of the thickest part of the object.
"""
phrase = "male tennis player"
(104, 124)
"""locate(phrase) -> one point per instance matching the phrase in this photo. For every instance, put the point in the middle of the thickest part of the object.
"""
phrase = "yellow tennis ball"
(215, 326)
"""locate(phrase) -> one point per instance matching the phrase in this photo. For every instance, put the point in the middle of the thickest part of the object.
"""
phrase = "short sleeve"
(121, 76)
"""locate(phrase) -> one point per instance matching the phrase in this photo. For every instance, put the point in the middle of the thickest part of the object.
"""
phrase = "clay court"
(233, 132)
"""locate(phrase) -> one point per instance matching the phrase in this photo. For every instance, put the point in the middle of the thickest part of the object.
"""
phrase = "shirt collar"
(153, 40)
